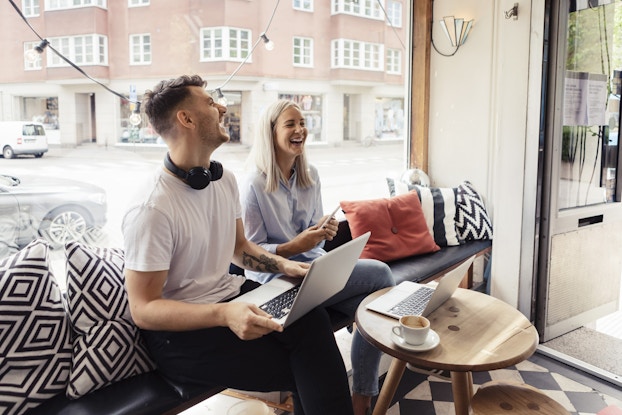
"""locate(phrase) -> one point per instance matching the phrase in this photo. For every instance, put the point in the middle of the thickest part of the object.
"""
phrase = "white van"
(22, 137)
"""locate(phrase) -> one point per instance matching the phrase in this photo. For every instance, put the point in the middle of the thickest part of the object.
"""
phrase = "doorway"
(580, 228)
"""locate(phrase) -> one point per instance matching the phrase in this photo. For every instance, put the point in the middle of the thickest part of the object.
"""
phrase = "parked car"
(22, 137)
(58, 210)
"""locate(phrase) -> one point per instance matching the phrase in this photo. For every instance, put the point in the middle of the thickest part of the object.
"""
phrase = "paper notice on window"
(585, 98)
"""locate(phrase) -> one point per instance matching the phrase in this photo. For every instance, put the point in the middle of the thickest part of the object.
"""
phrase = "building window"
(30, 8)
(305, 5)
(225, 43)
(303, 51)
(140, 49)
(355, 54)
(363, 8)
(394, 61)
(137, 3)
(31, 66)
(72, 4)
(81, 50)
(394, 13)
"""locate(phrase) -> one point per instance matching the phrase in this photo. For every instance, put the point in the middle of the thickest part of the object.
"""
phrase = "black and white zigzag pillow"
(35, 336)
(108, 346)
(472, 221)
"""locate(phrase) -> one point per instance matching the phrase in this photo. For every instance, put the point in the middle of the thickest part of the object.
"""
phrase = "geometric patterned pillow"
(472, 221)
(35, 336)
(108, 346)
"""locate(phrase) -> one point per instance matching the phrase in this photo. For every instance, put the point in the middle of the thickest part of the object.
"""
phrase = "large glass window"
(351, 85)
(591, 117)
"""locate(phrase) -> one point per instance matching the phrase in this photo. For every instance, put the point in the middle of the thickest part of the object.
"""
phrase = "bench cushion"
(429, 266)
(146, 394)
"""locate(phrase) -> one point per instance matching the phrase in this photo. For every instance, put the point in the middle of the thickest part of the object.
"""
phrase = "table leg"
(394, 375)
(462, 388)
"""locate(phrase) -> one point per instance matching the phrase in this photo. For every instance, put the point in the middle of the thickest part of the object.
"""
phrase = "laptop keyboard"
(280, 305)
(414, 304)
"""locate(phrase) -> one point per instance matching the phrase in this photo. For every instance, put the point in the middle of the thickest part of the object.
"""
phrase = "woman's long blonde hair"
(264, 154)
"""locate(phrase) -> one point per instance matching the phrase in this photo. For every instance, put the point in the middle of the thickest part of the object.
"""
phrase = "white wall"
(484, 125)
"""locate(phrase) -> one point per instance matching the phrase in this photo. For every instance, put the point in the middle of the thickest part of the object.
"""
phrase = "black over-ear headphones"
(197, 177)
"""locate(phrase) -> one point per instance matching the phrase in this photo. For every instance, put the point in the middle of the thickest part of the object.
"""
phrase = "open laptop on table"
(411, 298)
(288, 299)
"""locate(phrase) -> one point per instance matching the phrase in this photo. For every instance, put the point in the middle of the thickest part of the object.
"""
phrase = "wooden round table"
(477, 333)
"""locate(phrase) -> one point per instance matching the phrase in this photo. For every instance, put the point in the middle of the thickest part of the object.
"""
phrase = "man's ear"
(185, 118)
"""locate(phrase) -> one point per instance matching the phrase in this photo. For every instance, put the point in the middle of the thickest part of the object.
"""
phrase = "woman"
(282, 207)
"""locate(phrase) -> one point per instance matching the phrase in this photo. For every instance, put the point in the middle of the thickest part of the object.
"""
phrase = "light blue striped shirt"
(271, 219)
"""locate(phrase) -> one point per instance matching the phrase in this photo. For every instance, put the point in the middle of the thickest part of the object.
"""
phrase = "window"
(356, 55)
(30, 8)
(394, 13)
(225, 43)
(81, 50)
(138, 3)
(30, 66)
(394, 61)
(71, 4)
(347, 80)
(363, 8)
(303, 51)
(140, 49)
(305, 5)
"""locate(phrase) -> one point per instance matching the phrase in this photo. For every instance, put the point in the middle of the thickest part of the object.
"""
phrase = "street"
(349, 172)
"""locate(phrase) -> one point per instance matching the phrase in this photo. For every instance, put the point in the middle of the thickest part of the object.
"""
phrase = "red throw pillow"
(398, 227)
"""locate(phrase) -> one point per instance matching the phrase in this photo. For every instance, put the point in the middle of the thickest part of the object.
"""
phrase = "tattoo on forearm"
(261, 264)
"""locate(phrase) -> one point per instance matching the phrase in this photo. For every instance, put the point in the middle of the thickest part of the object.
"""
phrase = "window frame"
(303, 48)
(91, 45)
(227, 44)
(142, 53)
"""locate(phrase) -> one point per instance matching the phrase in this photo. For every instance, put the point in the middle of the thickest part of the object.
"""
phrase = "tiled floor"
(578, 392)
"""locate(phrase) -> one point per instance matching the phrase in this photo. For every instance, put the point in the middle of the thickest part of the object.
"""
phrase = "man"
(181, 236)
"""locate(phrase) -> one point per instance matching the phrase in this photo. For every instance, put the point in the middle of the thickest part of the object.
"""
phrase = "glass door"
(580, 260)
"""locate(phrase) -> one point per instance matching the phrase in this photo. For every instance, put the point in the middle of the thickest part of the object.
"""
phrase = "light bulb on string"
(135, 118)
(31, 55)
(222, 100)
(268, 44)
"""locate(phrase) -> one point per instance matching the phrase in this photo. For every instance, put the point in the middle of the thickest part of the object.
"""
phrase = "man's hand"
(249, 322)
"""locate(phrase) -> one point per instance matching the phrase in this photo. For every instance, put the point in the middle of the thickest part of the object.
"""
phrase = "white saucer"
(430, 343)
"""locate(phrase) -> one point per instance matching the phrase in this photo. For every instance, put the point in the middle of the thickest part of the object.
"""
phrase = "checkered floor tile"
(428, 395)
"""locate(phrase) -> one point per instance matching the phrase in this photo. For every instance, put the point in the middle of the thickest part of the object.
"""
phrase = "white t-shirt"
(190, 233)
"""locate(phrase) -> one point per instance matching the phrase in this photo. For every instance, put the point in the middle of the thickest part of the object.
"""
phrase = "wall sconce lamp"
(268, 44)
(32, 55)
(456, 29)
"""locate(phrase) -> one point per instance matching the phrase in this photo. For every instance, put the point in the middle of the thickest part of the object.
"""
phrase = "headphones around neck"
(197, 177)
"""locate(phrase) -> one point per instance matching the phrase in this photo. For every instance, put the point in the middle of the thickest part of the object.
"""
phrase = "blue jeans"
(368, 276)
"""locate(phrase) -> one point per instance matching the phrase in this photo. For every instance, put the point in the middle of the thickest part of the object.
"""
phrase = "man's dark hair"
(161, 103)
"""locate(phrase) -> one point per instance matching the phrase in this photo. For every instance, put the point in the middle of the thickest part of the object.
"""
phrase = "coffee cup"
(413, 329)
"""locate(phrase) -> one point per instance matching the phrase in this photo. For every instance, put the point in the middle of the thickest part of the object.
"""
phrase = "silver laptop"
(411, 298)
(288, 299)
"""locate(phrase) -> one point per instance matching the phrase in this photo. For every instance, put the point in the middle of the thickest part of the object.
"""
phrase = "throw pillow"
(35, 336)
(439, 209)
(108, 346)
(472, 221)
(397, 226)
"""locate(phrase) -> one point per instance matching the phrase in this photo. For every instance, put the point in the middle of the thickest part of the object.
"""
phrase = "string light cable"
(269, 45)
(44, 43)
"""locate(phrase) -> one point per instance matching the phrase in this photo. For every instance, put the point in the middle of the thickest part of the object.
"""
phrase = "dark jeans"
(303, 359)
